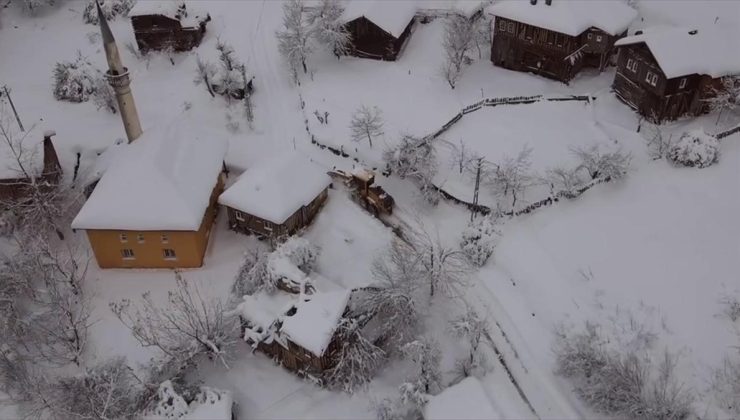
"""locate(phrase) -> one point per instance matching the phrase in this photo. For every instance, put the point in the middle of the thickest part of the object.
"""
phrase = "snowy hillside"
(645, 250)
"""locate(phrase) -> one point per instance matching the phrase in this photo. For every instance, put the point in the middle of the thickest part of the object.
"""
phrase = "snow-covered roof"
(274, 189)
(312, 326)
(105, 159)
(570, 17)
(712, 50)
(170, 9)
(392, 16)
(161, 181)
(465, 400)
(30, 152)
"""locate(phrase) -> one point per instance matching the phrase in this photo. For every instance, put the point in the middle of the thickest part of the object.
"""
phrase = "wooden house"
(40, 165)
(557, 38)
(667, 73)
(155, 204)
(379, 28)
(277, 197)
(167, 24)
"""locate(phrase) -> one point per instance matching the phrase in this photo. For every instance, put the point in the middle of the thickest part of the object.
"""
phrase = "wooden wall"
(371, 41)
(156, 32)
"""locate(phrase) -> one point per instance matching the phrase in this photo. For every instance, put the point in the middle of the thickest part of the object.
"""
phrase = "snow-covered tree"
(300, 252)
(725, 384)
(459, 37)
(726, 96)
(479, 239)
(427, 377)
(367, 123)
(252, 275)
(294, 40)
(111, 10)
(445, 269)
(205, 73)
(696, 149)
(512, 176)
(329, 28)
(32, 6)
(415, 158)
(602, 165)
(357, 359)
(562, 180)
(169, 403)
(75, 81)
(472, 328)
(188, 326)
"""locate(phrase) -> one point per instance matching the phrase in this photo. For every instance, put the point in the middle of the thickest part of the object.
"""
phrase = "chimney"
(548, 2)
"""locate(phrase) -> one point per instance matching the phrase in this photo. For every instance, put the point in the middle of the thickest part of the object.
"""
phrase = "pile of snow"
(682, 51)
(173, 9)
(315, 320)
(570, 17)
(695, 148)
(209, 403)
(391, 16)
(275, 189)
(161, 181)
(466, 400)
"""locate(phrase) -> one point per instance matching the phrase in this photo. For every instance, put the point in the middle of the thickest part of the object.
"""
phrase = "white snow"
(465, 400)
(316, 318)
(391, 16)
(211, 404)
(169, 8)
(161, 181)
(713, 50)
(276, 188)
(570, 17)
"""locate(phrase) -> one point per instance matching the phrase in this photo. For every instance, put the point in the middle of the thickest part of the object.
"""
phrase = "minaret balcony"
(118, 80)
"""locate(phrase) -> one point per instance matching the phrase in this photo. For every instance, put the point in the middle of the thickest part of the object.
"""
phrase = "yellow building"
(155, 204)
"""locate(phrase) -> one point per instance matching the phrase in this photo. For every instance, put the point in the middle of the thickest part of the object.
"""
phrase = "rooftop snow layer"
(465, 400)
(312, 326)
(274, 189)
(570, 17)
(168, 8)
(161, 181)
(712, 50)
(391, 16)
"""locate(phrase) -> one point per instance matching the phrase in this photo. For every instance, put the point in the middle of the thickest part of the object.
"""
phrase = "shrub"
(479, 239)
(695, 148)
(78, 81)
(111, 9)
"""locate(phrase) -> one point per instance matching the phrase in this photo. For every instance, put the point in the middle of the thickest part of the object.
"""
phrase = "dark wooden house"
(40, 161)
(557, 38)
(665, 74)
(167, 24)
(379, 29)
(277, 197)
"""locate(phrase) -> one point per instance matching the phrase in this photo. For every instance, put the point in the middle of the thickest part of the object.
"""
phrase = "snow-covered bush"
(111, 10)
(415, 158)
(300, 252)
(79, 81)
(472, 328)
(730, 307)
(427, 377)
(252, 274)
(620, 382)
(601, 165)
(169, 404)
(479, 239)
(695, 148)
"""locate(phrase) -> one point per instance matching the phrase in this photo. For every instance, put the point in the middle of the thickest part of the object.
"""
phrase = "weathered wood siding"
(298, 359)
(157, 32)
(371, 41)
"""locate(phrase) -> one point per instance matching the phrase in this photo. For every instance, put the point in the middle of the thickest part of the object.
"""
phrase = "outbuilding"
(379, 28)
(167, 24)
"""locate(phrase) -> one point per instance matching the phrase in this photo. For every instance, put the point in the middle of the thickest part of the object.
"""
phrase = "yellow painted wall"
(148, 246)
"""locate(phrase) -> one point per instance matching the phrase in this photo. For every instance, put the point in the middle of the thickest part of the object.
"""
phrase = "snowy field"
(660, 247)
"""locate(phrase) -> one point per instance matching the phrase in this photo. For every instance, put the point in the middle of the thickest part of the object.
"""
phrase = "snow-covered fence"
(727, 133)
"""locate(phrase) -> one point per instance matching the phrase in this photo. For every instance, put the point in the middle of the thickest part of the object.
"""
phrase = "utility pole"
(477, 189)
(10, 101)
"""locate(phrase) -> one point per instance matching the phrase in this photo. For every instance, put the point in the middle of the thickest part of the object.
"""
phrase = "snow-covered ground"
(661, 245)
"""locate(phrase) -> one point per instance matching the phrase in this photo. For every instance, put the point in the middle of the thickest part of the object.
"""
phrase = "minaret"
(117, 76)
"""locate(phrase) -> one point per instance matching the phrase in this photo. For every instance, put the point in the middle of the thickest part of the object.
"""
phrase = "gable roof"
(274, 189)
(712, 50)
(391, 16)
(465, 400)
(161, 181)
(570, 17)
(315, 320)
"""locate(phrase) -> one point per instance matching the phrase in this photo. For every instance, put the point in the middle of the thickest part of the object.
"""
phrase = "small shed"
(465, 400)
(277, 197)
(38, 158)
(379, 28)
(167, 24)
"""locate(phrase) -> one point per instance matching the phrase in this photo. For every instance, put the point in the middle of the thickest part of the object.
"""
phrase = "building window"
(169, 254)
(127, 254)
(598, 38)
(238, 215)
(165, 238)
(511, 27)
(123, 237)
(589, 35)
(632, 65)
(682, 83)
(140, 238)
(652, 78)
(502, 26)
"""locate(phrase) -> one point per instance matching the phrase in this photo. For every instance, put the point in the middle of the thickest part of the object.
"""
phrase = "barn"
(379, 28)
(667, 73)
(39, 160)
(167, 24)
(557, 38)
(277, 197)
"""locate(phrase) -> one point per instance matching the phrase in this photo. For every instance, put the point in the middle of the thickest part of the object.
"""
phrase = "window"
(651, 78)
(502, 26)
(632, 65)
(123, 237)
(598, 38)
(140, 238)
(169, 254)
(239, 215)
(589, 35)
(682, 83)
(511, 27)
(127, 254)
(165, 238)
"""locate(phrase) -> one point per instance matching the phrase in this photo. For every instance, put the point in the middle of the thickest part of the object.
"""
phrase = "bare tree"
(443, 269)
(472, 328)
(725, 384)
(356, 361)
(187, 327)
(415, 158)
(657, 143)
(427, 378)
(598, 164)
(329, 29)
(562, 180)
(512, 176)
(726, 96)
(294, 41)
(367, 123)
(459, 37)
